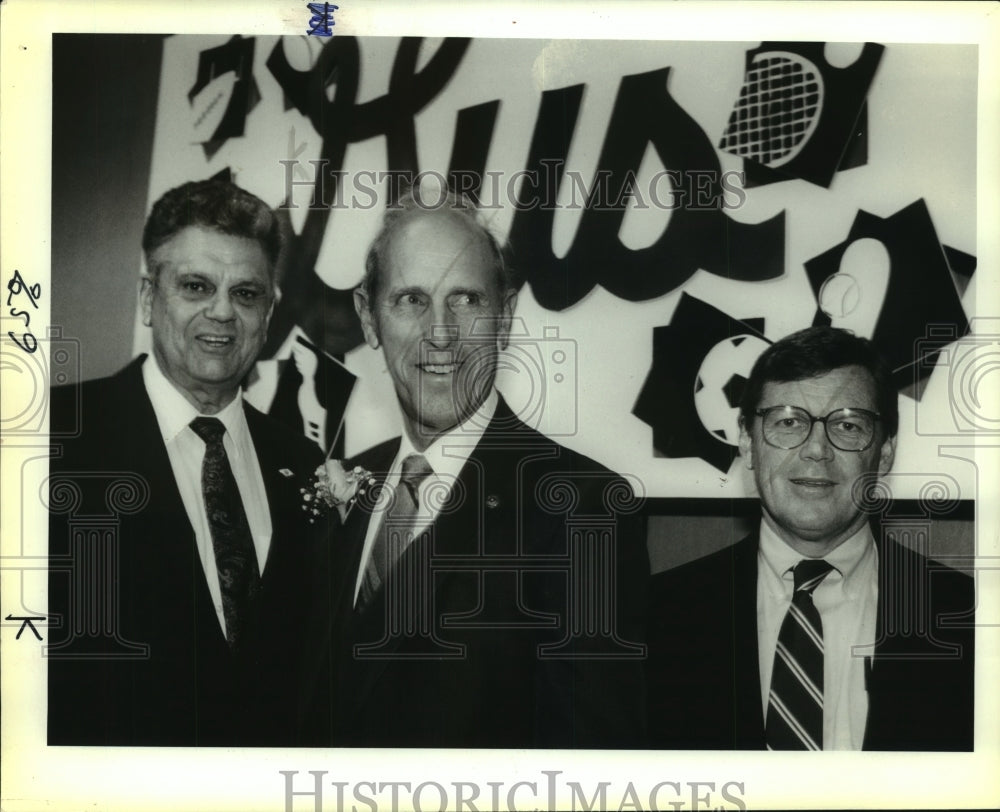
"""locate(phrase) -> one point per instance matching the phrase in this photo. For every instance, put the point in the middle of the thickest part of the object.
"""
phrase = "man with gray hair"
(495, 593)
(189, 621)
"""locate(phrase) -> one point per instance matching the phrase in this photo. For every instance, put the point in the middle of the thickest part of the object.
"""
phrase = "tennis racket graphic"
(800, 116)
(778, 109)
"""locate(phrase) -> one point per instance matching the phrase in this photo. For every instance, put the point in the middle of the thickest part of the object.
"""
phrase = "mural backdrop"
(671, 208)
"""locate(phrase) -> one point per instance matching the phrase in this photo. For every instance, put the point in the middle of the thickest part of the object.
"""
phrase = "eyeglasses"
(789, 427)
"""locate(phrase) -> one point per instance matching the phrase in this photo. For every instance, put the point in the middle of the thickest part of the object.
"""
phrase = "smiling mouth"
(216, 342)
(809, 482)
(438, 369)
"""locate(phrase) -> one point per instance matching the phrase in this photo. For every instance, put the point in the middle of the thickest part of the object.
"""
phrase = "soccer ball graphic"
(720, 381)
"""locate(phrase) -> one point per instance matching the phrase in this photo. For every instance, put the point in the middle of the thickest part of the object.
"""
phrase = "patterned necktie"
(795, 703)
(235, 557)
(396, 532)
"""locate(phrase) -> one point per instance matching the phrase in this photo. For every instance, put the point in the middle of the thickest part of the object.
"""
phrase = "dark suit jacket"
(703, 672)
(501, 559)
(140, 658)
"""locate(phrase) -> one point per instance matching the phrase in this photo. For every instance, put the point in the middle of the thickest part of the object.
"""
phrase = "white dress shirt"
(186, 451)
(847, 604)
(446, 456)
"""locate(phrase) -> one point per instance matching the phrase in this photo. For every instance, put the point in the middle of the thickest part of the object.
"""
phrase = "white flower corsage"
(331, 486)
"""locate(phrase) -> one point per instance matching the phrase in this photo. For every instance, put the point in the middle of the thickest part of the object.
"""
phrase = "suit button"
(492, 501)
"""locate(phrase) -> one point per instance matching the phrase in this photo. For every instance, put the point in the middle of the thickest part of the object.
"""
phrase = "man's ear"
(369, 325)
(506, 317)
(146, 299)
(270, 312)
(746, 445)
(886, 456)
(275, 298)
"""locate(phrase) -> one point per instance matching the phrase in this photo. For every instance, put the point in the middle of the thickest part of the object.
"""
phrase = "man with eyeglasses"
(818, 631)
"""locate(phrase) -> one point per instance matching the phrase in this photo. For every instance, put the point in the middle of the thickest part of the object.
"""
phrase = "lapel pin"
(285, 472)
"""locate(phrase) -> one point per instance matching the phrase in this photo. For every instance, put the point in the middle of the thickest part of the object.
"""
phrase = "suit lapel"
(282, 491)
(890, 557)
(139, 427)
(487, 480)
(490, 486)
(142, 440)
(352, 545)
(749, 715)
(360, 515)
(459, 529)
(883, 704)
(490, 519)
(349, 627)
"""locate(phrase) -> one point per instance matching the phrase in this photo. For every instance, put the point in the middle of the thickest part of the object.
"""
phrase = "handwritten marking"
(321, 23)
(16, 286)
(26, 622)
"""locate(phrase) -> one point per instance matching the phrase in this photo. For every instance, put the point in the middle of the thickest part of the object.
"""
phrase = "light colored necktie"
(396, 531)
(235, 557)
(795, 703)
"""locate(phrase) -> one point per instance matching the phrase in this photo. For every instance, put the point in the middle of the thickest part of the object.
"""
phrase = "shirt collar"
(448, 452)
(849, 556)
(173, 411)
(846, 558)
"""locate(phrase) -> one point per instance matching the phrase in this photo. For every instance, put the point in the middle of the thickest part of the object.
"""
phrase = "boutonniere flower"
(332, 487)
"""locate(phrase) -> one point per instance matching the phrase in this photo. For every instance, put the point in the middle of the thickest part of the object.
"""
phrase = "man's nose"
(443, 328)
(220, 308)
(817, 445)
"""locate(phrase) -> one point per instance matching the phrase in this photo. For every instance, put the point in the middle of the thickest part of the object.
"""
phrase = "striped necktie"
(795, 703)
(396, 532)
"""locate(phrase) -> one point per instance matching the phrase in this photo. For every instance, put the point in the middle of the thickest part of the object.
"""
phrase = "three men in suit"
(819, 631)
(494, 590)
(489, 590)
(184, 575)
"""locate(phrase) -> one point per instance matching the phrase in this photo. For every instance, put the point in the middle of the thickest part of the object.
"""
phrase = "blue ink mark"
(321, 23)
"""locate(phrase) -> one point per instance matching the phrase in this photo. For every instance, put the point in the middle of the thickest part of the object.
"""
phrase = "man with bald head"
(458, 627)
